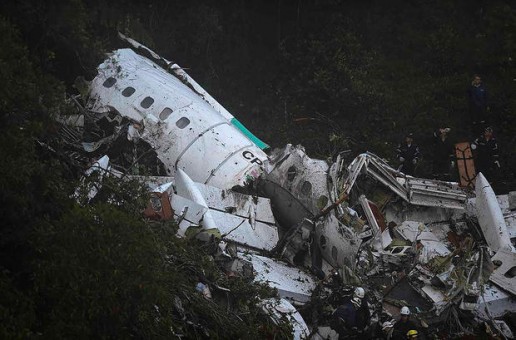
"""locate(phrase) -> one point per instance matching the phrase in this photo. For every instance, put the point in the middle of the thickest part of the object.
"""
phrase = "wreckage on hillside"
(308, 227)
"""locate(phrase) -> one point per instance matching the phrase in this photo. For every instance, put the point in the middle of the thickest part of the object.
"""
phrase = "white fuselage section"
(184, 129)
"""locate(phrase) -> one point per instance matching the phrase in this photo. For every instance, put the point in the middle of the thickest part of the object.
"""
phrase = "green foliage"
(102, 273)
(330, 75)
(99, 272)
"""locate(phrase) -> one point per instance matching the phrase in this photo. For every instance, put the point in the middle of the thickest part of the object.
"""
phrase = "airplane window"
(182, 122)
(291, 173)
(511, 272)
(109, 82)
(147, 102)
(128, 91)
(306, 189)
(322, 242)
(397, 250)
(165, 113)
(334, 253)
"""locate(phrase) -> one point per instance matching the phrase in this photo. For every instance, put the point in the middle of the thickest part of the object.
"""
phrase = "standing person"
(477, 100)
(403, 325)
(408, 154)
(351, 317)
(362, 308)
(442, 154)
(387, 330)
(486, 149)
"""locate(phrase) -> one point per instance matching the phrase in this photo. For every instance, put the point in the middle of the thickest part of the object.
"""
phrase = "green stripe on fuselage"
(249, 134)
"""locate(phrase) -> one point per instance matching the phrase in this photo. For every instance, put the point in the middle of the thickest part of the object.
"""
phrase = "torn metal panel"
(495, 301)
(304, 177)
(281, 309)
(490, 217)
(103, 167)
(437, 297)
(237, 203)
(291, 282)
(185, 130)
(187, 188)
(186, 212)
(413, 190)
(505, 274)
(244, 230)
(382, 238)
(287, 209)
(239, 218)
(512, 200)
(296, 241)
(414, 231)
(241, 230)
(435, 194)
(307, 181)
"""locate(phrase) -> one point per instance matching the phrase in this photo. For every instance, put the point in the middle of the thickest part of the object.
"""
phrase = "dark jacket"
(443, 153)
(345, 320)
(486, 154)
(477, 97)
(409, 154)
(401, 329)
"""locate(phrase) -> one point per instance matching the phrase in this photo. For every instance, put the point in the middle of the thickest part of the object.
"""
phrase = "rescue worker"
(477, 100)
(403, 325)
(486, 149)
(348, 318)
(443, 157)
(408, 154)
(412, 334)
(363, 314)
(387, 330)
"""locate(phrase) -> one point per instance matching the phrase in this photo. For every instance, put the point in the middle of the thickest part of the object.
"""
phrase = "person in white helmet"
(403, 325)
(387, 330)
(348, 318)
(362, 308)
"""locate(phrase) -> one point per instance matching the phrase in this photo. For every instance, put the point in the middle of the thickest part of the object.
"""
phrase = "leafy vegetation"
(328, 74)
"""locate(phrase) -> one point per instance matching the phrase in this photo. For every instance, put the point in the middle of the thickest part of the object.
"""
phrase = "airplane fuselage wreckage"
(311, 228)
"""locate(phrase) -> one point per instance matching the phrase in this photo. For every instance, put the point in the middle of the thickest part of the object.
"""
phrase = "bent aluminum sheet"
(281, 309)
(233, 228)
(505, 275)
(496, 300)
(490, 217)
(238, 204)
(249, 222)
(432, 246)
(291, 282)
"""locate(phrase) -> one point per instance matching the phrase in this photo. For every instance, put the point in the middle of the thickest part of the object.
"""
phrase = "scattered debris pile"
(312, 229)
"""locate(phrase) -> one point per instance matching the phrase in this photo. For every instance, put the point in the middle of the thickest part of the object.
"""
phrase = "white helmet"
(359, 292)
(405, 311)
(387, 324)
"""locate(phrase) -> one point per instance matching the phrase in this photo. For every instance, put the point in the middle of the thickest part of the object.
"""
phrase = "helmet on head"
(359, 292)
(387, 325)
(405, 311)
(411, 333)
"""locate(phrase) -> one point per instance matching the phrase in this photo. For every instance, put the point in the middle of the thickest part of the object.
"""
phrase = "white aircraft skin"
(199, 141)
(184, 129)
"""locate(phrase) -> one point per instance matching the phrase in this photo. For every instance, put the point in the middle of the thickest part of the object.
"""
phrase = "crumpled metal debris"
(310, 228)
